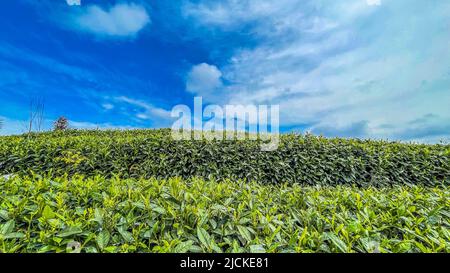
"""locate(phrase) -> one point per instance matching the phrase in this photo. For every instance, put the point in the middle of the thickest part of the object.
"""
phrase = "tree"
(61, 124)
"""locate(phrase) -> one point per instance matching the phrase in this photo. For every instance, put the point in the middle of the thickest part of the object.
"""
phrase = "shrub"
(136, 215)
(304, 159)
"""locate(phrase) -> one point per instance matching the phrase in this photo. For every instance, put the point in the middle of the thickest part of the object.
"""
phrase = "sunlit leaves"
(7, 228)
(69, 232)
(304, 159)
(196, 215)
(103, 239)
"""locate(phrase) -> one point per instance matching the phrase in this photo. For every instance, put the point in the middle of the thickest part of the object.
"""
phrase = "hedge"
(303, 159)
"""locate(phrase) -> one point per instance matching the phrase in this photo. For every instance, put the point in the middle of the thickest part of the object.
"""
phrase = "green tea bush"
(304, 159)
(95, 214)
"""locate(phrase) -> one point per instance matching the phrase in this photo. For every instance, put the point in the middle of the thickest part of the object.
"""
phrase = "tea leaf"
(103, 239)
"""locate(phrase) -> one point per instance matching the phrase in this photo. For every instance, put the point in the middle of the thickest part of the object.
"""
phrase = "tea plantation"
(306, 160)
(140, 191)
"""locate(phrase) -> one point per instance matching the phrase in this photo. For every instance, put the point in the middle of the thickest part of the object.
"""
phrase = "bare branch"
(36, 114)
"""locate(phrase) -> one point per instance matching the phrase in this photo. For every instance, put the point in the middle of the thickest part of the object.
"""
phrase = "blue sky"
(354, 68)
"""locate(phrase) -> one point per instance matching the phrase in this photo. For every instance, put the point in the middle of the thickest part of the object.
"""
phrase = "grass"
(97, 214)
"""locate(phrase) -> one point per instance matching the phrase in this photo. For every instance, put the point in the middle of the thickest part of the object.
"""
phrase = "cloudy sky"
(351, 68)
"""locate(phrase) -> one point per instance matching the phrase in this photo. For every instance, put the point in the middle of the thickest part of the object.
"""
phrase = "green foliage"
(302, 159)
(136, 215)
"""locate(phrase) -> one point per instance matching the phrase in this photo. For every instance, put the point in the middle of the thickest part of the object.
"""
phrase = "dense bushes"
(118, 191)
(175, 215)
(303, 159)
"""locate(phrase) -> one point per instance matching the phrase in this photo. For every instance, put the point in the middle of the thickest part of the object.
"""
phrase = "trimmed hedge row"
(303, 159)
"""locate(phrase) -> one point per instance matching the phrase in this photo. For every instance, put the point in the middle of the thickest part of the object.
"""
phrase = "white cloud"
(93, 126)
(203, 79)
(73, 2)
(12, 127)
(17, 127)
(108, 106)
(233, 13)
(373, 2)
(341, 67)
(120, 20)
(146, 111)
